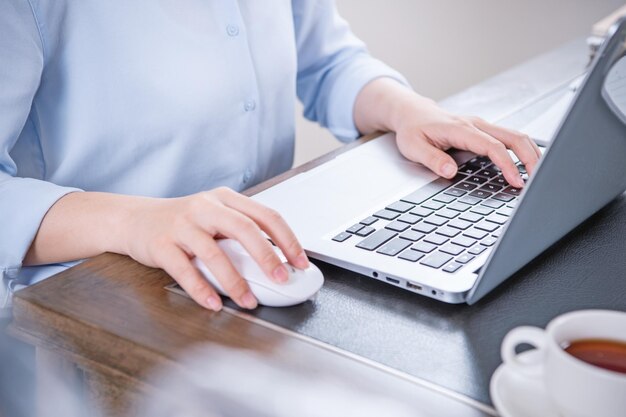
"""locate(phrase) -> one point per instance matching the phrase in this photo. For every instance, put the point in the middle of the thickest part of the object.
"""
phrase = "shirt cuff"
(24, 203)
(343, 97)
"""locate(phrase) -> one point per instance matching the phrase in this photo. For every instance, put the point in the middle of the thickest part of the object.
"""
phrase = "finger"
(539, 154)
(207, 250)
(422, 151)
(482, 143)
(177, 264)
(536, 148)
(272, 223)
(519, 143)
(236, 225)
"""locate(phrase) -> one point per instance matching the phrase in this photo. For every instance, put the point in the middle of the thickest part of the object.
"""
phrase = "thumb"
(433, 158)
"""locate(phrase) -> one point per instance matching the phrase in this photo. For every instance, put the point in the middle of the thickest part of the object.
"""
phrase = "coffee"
(603, 353)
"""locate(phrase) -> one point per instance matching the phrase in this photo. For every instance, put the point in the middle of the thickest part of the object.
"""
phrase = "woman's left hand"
(424, 131)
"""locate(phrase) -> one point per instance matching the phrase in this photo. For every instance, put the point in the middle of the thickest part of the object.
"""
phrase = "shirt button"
(249, 105)
(247, 175)
(232, 30)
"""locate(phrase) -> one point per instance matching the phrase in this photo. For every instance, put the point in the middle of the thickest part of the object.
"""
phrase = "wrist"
(120, 221)
(405, 107)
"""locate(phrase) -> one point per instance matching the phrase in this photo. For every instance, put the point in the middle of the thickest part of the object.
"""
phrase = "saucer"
(516, 395)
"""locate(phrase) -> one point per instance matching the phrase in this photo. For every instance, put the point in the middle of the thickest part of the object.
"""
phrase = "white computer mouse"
(302, 285)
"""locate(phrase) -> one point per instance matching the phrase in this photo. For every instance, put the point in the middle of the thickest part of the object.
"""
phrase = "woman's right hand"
(168, 233)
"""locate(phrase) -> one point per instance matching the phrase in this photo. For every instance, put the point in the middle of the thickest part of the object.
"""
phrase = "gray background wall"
(443, 46)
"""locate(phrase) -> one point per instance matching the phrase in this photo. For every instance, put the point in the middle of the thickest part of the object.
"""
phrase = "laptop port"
(413, 287)
(393, 280)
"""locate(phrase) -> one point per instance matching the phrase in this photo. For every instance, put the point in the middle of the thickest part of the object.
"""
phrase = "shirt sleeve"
(23, 201)
(333, 66)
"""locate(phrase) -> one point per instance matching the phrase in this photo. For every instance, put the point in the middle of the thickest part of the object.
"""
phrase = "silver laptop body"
(582, 170)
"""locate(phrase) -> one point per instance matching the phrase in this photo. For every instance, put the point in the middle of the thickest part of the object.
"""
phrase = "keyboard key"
(412, 235)
(424, 228)
(475, 234)
(499, 180)
(400, 207)
(477, 180)
(497, 218)
(436, 260)
(424, 193)
(482, 160)
(454, 192)
(444, 198)
(421, 211)
(490, 241)
(458, 206)
(503, 197)
(466, 242)
(436, 220)
(469, 168)
(355, 228)
(460, 224)
(447, 231)
(477, 250)
(432, 205)
(479, 162)
(386, 214)
(341, 237)
(447, 213)
(466, 186)
(493, 203)
(496, 234)
(492, 188)
(465, 258)
(486, 226)
(366, 231)
(458, 177)
(488, 172)
(505, 211)
(436, 239)
(452, 267)
(376, 239)
(512, 190)
(512, 204)
(470, 200)
(480, 193)
(394, 247)
(485, 211)
(397, 226)
(409, 218)
(368, 221)
(470, 217)
(424, 247)
(451, 249)
(411, 255)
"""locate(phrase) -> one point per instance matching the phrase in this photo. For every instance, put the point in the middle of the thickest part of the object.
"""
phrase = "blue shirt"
(160, 98)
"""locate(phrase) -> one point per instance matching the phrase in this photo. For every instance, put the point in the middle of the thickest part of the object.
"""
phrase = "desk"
(111, 319)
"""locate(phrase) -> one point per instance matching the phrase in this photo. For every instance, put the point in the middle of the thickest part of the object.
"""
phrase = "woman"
(116, 118)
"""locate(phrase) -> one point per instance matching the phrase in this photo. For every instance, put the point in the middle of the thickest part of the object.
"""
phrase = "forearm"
(383, 103)
(82, 225)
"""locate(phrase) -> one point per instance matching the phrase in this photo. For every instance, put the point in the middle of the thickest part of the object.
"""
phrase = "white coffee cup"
(576, 388)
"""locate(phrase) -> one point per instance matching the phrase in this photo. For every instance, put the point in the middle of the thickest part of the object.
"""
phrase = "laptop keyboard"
(445, 224)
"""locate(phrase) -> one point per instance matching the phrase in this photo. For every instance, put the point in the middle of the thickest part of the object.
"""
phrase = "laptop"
(372, 211)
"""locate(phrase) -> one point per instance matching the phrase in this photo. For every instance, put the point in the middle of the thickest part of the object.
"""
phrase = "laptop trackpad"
(355, 183)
